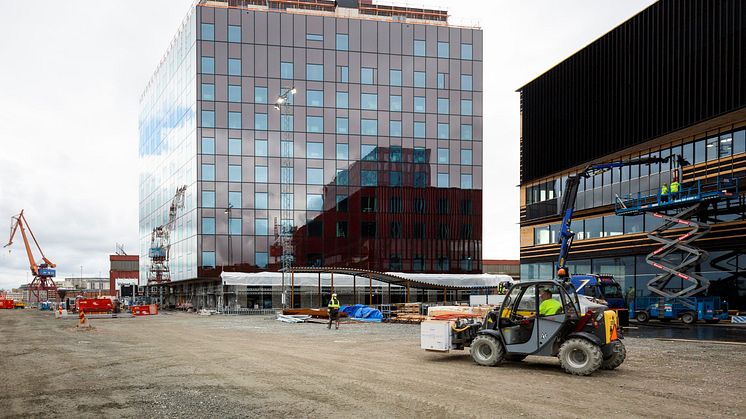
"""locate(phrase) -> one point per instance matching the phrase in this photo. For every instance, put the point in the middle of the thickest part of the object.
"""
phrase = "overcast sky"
(72, 72)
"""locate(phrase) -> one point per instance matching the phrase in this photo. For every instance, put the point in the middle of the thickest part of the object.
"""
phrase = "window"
(262, 259)
(419, 103)
(368, 229)
(208, 65)
(343, 42)
(342, 100)
(342, 202)
(442, 49)
(368, 178)
(286, 201)
(442, 180)
(466, 207)
(261, 226)
(419, 79)
(395, 179)
(396, 205)
(234, 33)
(395, 154)
(419, 155)
(466, 181)
(260, 121)
(234, 93)
(418, 263)
(442, 80)
(443, 231)
(208, 119)
(314, 176)
(368, 204)
(234, 120)
(314, 202)
(234, 226)
(342, 177)
(286, 149)
(395, 128)
(341, 229)
(315, 72)
(314, 124)
(369, 127)
(442, 206)
(208, 225)
(208, 145)
(343, 125)
(466, 107)
(465, 156)
(286, 175)
(234, 173)
(593, 228)
(443, 106)
(234, 66)
(418, 230)
(208, 199)
(634, 224)
(443, 131)
(234, 199)
(466, 82)
(343, 151)
(286, 70)
(369, 101)
(208, 31)
(396, 229)
(260, 173)
(395, 77)
(314, 150)
(286, 122)
(419, 47)
(368, 152)
(314, 37)
(208, 259)
(261, 200)
(419, 130)
(443, 156)
(420, 179)
(366, 75)
(343, 74)
(395, 263)
(208, 91)
(466, 132)
(419, 205)
(314, 98)
(466, 52)
(739, 142)
(260, 94)
(260, 148)
(208, 171)
(395, 103)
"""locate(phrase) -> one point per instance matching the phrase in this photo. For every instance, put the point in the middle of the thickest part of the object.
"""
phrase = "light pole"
(282, 104)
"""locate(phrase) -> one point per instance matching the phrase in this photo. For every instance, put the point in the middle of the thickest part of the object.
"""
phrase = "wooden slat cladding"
(675, 64)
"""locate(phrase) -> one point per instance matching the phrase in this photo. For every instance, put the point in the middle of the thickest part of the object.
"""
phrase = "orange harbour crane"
(43, 272)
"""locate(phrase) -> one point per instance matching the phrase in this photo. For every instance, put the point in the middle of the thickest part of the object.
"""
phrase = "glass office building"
(375, 162)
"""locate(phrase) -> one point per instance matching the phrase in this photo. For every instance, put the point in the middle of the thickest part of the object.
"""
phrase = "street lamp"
(281, 104)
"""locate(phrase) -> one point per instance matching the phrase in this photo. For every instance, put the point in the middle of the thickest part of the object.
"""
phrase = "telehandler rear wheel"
(487, 351)
(580, 357)
(618, 355)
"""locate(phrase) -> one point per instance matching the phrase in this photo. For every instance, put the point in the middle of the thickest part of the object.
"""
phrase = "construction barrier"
(738, 319)
(83, 322)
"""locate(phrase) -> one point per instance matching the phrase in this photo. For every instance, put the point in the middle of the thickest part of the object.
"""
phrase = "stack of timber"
(407, 313)
(443, 312)
(319, 313)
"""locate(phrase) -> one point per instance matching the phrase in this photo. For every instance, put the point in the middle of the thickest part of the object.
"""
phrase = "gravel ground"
(185, 365)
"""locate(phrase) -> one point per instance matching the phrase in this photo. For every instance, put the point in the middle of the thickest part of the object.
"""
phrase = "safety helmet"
(561, 272)
(334, 295)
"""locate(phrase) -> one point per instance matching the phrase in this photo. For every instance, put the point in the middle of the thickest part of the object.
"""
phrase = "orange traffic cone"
(83, 322)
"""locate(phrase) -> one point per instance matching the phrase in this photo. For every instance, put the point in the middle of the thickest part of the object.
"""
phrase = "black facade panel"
(673, 65)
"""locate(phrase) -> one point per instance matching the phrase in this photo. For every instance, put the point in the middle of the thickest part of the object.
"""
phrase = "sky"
(71, 74)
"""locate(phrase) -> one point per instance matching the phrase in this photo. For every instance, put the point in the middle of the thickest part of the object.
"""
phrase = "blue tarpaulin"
(362, 313)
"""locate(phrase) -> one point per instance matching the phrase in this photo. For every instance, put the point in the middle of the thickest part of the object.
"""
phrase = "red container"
(145, 310)
(94, 305)
(7, 304)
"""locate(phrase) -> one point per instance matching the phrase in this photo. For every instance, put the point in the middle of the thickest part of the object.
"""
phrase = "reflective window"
(208, 225)
(208, 91)
(613, 226)
(368, 127)
(286, 175)
(208, 171)
(419, 47)
(208, 199)
(395, 179)
(314, 124)
(341, 230)
(342, 177)
(260, 148)
(420, 179)
(466, 107)
(442, 49)
(208, 119)
(419, 155)
(286, 201)
(442, 180)
(443, 106)
(314, 98)
(286, 70)
(208, 32)
(466, 133)
(314, 202)
(261, 226)
(234, 33)
(314, 37)
(260, 174)
(314, 176)
(442, 78)
(208, 259)
(739, 142)
(343, 41)
(234, 173)
(465, 156)
(634, 224)
(419, 79)
(395, 128)
(369, 101)
(419, 104)
(368, 152)
(286, 149)
(395, 154)
(234, 120)
(208, 145)
(262, 259)
(368, 178)
(443, 131)
(726, 145)
(395, 77)
(699, 151)
(466, 82)
(234, 199)
(344, 74)
(466, 181)
(234, 66)
(342, 100)
(286, 122)
(234, 93)
(260, 121)
(712, 148)
(419, 130)
(234, 226)
(343, 151)
(593, 228)
(395, 103)
(342, 203)
(366, 75)
(343, 125)
(260, 94)
(466, 52)
(315, 72)
(260, 200)
(443, 156)
(208, 65)
(314, 150)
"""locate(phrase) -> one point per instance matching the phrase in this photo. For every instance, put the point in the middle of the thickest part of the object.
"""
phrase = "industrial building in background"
(370, 159)
(667, 83)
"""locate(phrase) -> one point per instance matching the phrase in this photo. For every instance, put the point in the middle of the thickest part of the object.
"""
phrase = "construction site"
(312, 226)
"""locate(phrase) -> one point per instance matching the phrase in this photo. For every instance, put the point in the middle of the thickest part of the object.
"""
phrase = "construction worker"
(549, 306)
(664, 192)
(333, 309)
(675, 189)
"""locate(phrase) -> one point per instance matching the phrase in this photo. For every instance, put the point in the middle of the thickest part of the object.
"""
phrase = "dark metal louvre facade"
(675, 64)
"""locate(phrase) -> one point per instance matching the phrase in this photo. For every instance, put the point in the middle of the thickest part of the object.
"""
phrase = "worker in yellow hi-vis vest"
(675, 185)
(664, 192)
(333, 311)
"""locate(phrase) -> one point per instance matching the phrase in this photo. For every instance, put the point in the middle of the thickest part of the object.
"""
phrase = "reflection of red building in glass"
(395, 221)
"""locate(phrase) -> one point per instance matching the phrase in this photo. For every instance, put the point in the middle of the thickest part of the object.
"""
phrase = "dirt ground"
(185, 365)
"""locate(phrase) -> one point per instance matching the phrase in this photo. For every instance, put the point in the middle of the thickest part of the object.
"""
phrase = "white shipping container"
(435, 335)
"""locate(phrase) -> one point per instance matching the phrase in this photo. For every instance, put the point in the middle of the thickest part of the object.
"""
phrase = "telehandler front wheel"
(487, 351)
(580, 357)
